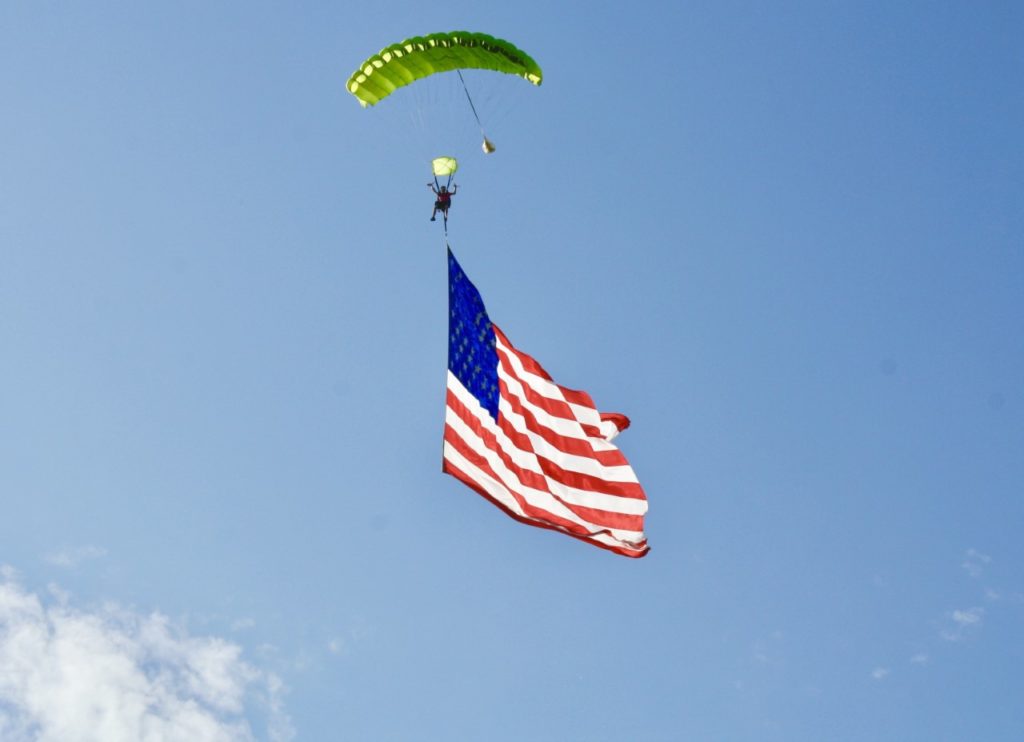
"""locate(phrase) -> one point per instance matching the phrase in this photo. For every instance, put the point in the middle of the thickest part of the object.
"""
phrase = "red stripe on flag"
(575, 396)
(635, 552)
(599, 517)
(575, 446)
(596, 521)
(471, 454)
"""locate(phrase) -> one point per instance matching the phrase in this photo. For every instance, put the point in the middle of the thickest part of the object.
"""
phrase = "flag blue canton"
(471, 342)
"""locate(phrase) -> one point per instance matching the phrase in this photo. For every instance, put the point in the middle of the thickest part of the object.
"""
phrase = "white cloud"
(963, 621)
(71, 557)
(111, 675)
(968, 617)
(879, 673)
(921, 658)
(974, 562)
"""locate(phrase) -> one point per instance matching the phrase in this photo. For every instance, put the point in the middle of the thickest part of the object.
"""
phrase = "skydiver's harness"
(444, 198)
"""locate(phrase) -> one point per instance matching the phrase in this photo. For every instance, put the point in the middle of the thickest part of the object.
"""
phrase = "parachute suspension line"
(487, 145)
(448, 187)
(470, 99)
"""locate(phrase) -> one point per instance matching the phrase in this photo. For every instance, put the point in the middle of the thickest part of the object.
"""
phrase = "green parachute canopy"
(444, 166)
(421, 56)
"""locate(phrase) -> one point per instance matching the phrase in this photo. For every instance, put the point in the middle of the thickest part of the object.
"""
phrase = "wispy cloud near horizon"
(71, 557)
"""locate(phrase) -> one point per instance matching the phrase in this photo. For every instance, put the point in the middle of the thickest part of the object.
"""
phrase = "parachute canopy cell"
(421, 56)
(444, 166)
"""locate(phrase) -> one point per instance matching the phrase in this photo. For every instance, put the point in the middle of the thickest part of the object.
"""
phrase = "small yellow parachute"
(444, 167)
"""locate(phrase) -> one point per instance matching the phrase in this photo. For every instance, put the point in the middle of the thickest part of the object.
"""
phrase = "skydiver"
(443, 201)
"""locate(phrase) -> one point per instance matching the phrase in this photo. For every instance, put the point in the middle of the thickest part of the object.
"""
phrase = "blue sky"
(784, 238)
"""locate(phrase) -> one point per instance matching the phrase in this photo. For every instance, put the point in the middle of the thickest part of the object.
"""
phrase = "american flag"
(539, 451)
